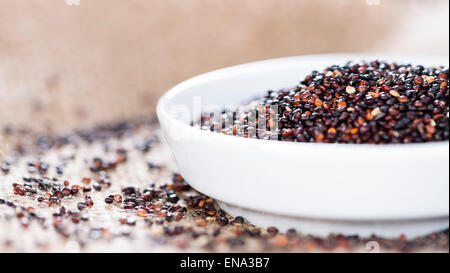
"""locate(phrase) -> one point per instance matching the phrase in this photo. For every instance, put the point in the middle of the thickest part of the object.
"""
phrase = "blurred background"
(73, 63)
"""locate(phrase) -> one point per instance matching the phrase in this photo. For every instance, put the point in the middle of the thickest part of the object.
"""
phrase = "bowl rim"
(163, 102)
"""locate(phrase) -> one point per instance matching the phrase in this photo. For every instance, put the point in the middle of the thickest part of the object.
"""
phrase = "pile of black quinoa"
(367, 102)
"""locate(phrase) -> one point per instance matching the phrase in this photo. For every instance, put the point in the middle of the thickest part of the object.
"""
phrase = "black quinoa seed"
(173, 198)
(5, 168)
(129, 190)
(81, 206)
(222, 221)
(239, 220)
(272, 230)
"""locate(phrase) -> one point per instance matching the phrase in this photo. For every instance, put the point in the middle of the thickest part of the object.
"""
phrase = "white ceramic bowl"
(343, 182)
